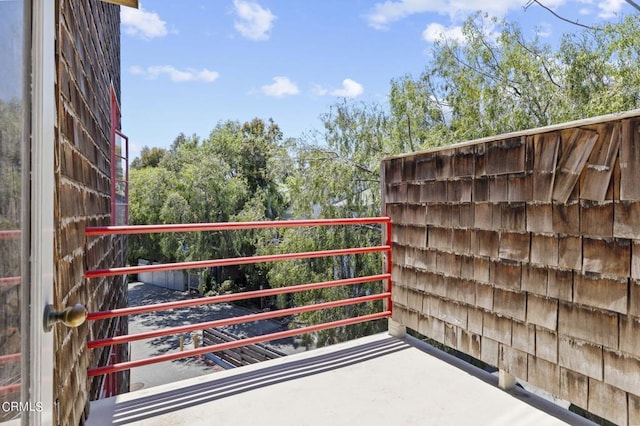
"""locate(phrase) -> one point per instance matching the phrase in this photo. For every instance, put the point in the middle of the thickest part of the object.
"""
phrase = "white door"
(27, 113)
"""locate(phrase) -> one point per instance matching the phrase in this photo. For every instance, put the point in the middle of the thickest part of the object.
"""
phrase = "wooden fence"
(523, 250)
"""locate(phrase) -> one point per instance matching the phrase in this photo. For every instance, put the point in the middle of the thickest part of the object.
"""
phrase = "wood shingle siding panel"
(513, 361)
(464, 162)
(546, 147)
(544, 374)
(608, 402)
(510, 304)
(520, 188)
(581, 357)
(574, 387)
(542, 311)
(570, 252)
(626, 222)
(426, 168)
(414, 193)
(547, 345)
(506, 274)
(566, 218)
(575, 154)
(533, 263)
(523, 337)
(599, 169)
(506, 156)
(408, 169)
(497, 328)
(459, 191)
(622, 371)
(634, 409)
(596, 219)
(433, 192)
(590, 325)
(540, 217)
(607, 256)
(443, 165)
(480, 189)
(466, 215)
(560, 284)
(535, 279)
(600, 292)
(483, 216)
(393, 171)
(515, 246)
(485, 243)
(544, 250)
(630, 335)
(630, 161)
(498, 188)
(513, 217)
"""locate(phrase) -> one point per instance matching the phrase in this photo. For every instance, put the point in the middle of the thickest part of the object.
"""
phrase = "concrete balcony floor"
(376, 380)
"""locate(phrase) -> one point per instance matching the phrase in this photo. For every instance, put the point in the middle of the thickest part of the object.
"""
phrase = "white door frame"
(43, 115)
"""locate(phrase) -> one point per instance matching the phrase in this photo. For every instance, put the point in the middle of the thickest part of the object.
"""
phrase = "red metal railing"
(10, 235)
(121, 230)
(13, 387)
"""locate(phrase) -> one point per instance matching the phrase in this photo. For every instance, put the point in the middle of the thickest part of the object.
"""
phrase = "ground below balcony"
(375, 380)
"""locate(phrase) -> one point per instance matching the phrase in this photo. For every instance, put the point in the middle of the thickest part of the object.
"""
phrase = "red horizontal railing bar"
(230, 345)
(10, 281)
(229, 226)
(231, 261)
(7, 359)
(11, 234)
(8, 389)
(237, 320)
(134, 310)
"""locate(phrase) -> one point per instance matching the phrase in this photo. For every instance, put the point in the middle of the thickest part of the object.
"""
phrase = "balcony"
(385, 378)
(367, 381)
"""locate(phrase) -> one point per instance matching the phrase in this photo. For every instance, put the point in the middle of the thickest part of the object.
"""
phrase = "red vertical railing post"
(389, 264)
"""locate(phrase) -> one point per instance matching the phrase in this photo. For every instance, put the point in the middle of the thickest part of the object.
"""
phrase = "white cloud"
(174, 74)
(142, 24)
(319, 90)
(281, 86)
(255, 22)
(350, 89)
(385, 13)
(435, 32)
(610, 8)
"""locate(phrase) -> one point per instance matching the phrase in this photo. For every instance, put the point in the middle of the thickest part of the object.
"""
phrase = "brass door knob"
(73, 316)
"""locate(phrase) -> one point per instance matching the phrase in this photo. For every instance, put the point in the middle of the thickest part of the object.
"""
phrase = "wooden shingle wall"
(87, 63)
(524, 252)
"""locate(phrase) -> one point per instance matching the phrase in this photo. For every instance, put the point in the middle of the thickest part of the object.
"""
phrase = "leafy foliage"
(494, 81)
(226, 177)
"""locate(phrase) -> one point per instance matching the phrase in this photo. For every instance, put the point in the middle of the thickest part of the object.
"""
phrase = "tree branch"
(561, 17)
(634, 4)
(544, 65)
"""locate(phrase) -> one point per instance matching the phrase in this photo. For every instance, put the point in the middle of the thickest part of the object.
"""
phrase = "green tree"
(497, 81)
(233, 175)
(335, 175)
(149, 157)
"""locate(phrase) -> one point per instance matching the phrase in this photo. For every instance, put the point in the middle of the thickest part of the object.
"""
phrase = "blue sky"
(187, 65)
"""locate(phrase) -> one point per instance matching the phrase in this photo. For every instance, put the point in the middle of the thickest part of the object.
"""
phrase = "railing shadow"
(156, 405)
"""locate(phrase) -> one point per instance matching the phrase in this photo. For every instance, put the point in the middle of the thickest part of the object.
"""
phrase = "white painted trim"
(43, 114)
